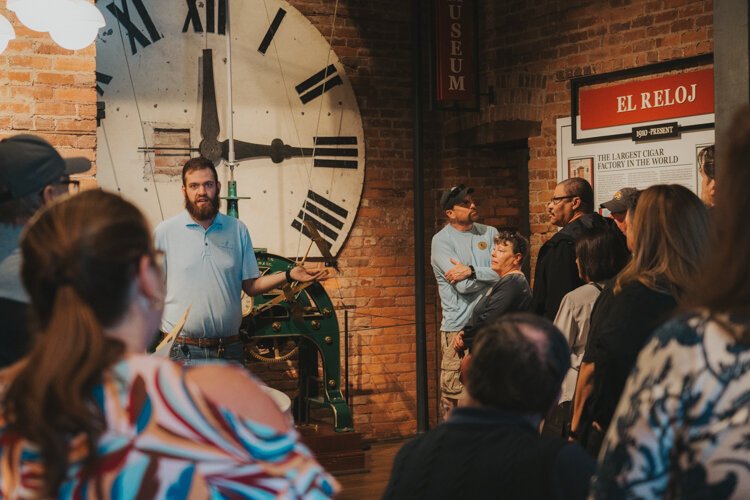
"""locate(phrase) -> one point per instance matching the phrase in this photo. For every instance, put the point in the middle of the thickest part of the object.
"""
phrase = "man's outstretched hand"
(303, 275)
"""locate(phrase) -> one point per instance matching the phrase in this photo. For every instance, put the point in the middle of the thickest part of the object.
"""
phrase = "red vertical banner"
(456, 63)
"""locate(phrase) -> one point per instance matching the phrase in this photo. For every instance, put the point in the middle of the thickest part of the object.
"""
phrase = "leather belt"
(208, 342)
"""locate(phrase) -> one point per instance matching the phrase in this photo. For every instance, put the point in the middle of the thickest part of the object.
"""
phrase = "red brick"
(55, 78)
(76, 95)
(56, 109)
(19, 77)
(76, 126)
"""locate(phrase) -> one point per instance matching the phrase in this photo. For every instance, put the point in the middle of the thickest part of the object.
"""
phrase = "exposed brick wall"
(48, 91)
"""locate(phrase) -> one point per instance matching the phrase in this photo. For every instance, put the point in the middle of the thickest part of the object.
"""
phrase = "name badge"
(482, 245)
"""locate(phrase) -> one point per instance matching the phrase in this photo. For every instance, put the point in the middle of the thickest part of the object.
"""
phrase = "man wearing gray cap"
(622, 201)
(461, 257)
(32, 174)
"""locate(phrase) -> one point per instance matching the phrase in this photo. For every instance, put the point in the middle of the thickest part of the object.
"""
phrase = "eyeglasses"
(74, 186)
(557, 199)
(466, 203)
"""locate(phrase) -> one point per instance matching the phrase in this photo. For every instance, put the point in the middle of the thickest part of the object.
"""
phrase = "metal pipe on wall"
(423, 416)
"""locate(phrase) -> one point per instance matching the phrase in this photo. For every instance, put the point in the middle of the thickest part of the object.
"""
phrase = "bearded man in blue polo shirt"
(208, 261)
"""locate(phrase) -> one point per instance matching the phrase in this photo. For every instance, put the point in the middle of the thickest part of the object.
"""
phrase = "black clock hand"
(277, 151)
(209, 145)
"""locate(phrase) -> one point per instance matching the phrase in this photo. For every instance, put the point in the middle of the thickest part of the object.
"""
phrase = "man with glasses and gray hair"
(572, 209)
(461, 259)
(32, 174)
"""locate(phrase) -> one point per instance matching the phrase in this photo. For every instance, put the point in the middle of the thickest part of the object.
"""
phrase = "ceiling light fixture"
(72, 24)
(7, 33)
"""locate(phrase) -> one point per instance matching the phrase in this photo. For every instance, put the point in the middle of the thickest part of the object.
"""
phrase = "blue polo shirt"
(205, 268)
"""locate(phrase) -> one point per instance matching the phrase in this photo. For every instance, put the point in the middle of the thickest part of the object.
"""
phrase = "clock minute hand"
(209, 145)
(277, 150)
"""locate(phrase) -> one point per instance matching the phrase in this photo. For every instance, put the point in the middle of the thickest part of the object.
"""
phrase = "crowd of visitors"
(645, 368)
(656, 317)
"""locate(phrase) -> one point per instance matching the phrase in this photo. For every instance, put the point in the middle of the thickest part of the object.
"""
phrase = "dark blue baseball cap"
(454, 195)
(29, 163)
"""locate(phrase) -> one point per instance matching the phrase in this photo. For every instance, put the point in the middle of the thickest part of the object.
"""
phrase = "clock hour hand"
(209, 145)
(277, 150)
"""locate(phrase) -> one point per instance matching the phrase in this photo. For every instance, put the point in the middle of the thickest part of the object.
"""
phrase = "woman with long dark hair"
(667, 235)
(86, 413)
(681, 428)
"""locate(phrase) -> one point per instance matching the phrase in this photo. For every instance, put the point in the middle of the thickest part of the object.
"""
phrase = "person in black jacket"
(571, 208)
(491, 447)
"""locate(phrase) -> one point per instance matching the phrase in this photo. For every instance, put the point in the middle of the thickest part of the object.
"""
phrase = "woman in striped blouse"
(87, 414)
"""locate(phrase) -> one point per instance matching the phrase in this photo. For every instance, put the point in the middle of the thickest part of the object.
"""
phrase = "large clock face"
(297, 128)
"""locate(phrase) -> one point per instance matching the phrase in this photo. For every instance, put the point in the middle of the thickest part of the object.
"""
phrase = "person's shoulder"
(564, 235)
(415, 450)
(633, 288)
(443, 237)
(686, 329)
(484, 229)
(586, 221)
(152, 374)
(176, 221)
(584, 294)
(442, 233)
(636, 290)
(228, 222)
(516, 280)
(220, 383)
(231, 224)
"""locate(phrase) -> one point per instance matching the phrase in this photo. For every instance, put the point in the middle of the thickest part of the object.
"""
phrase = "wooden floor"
(370, 485)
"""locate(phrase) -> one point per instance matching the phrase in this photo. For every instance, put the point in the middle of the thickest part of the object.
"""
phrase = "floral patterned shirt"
(682, 427)
(164, 439)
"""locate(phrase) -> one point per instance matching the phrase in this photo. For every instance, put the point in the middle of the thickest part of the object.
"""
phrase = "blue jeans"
(188, 354)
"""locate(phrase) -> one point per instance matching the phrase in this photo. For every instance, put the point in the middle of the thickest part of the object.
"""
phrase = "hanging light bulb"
(7, 33)
(39, 15)
(79, 28)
